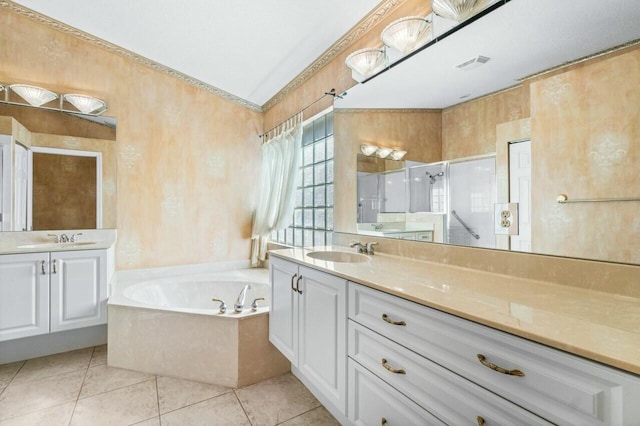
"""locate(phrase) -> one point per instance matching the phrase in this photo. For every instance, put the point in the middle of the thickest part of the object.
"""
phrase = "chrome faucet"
(75, 237)
(64, 238)
(237, 307)
(254, 305)
(366, 248)
(223, 306)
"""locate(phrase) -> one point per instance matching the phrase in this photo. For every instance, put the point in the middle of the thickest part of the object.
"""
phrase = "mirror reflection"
(54, 181)
(488, 168)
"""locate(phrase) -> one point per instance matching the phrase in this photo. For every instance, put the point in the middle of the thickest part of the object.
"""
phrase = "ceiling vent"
(473, 63)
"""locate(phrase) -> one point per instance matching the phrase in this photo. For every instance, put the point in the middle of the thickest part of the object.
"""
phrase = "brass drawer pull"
(494, 367)
(293, 278)
(390, 321)
(480, 421)
(383, 422)
(298, 284)
(390, 368)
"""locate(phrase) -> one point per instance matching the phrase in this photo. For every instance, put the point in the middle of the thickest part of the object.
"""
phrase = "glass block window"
(312, 216)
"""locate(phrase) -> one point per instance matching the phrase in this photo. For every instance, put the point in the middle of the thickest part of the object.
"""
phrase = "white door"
(78, 289)
(5, 182)
(520, 192)
(24, 295)
(283, 313)
(323, 351)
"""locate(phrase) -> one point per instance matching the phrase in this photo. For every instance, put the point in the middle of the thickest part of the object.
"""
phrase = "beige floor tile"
(222, 410)
(150, 422)
(316, 417)
(177, 393)
(99, 356)
(53, 365)
(54, 416)
(19, 399)
(276, 400)
(8, 371)
(101, 379)
(123, 406)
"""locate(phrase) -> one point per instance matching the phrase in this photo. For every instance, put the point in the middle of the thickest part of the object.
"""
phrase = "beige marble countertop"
(596, 325)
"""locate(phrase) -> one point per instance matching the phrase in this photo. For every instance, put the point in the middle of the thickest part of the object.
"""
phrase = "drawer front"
(424, 236)
(560, 387)
(451, 398)
(373, 402)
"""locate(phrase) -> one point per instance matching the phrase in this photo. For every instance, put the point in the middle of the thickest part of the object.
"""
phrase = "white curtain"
(281, 158)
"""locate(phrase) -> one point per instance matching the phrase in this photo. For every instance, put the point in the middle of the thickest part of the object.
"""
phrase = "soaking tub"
(170, 326)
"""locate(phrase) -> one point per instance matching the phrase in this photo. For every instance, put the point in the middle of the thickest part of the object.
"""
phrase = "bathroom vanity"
(389, 340)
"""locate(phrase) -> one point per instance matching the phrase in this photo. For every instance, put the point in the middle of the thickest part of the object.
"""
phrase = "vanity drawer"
(451, 398)
(557, 386)
(373, 402)
(424, 236)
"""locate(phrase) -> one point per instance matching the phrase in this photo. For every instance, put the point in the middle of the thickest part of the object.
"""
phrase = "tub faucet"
(237, 307)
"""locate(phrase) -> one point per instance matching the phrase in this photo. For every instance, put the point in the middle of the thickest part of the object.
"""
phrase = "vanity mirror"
(505, 141)
(57, 170)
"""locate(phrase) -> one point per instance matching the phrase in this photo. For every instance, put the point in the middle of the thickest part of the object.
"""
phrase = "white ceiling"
(249, 48)
(523, 37)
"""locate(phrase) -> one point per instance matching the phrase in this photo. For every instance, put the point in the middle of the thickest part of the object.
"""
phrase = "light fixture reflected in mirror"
(85, 104)
(368, 150)
(34, 95)
(458, 10)
(383, 152)
(367, 62)
(397, 155)
(407, 34)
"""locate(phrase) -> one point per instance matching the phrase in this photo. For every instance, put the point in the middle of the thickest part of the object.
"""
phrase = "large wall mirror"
(57, 170)
(519, 153)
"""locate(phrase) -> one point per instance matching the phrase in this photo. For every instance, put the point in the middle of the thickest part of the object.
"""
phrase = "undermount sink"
(56, 245)
(338, 256)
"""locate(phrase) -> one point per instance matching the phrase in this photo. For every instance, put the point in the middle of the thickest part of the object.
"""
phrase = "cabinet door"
(323, 352)
(78, 289)
(283, 313)
(24, 295)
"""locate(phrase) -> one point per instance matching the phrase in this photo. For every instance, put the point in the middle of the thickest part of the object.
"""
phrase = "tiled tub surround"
(600, 326)
(170, 326)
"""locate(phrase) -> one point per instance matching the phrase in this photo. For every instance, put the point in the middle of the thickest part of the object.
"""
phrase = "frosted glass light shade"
(85, 104)
(397, 155)
(407, 34)
(458, 10)
(368, 150)
(35, 96)
(383, 152)
(367, 62)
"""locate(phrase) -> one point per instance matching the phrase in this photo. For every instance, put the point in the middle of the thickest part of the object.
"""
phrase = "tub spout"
(237, 307)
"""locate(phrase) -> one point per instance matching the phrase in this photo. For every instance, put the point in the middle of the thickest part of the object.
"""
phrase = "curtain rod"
(332, 92)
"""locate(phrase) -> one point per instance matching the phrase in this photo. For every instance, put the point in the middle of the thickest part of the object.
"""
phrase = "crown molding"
(384, 8)
(112, 48)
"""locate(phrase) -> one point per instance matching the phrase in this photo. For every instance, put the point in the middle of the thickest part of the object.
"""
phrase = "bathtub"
(171, 327)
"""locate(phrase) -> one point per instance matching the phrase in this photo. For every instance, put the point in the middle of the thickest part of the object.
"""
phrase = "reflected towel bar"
(563, 199)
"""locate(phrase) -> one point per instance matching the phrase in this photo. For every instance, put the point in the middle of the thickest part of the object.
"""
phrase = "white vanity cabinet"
(24, 295)
(42, 293)
(307, 323)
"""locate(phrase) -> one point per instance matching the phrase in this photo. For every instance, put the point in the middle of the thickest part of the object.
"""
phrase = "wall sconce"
(34, 95)
(407, 34)
(38, 97)
(367, 62)
(458, 10)
(392, 154)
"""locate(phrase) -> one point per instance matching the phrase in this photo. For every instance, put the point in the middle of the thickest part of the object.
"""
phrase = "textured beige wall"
(469, 129)
(416, 131)
(187, 159)
(586, 144)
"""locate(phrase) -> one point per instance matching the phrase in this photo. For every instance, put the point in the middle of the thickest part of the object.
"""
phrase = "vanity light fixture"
(458, 10)
(407, 34)
(368, 61)
(383, 152)
(368, 150)
(85, 104)
(397, 155)
(34, 95)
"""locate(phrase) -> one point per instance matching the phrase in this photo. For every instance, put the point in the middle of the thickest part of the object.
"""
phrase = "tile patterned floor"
(78, 388)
